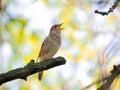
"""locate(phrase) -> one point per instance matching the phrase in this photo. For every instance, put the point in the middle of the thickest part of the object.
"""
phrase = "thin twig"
(115, 72)
(108, 80)
(110, 9)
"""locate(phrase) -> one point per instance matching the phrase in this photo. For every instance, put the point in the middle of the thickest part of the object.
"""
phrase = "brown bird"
(50, 45)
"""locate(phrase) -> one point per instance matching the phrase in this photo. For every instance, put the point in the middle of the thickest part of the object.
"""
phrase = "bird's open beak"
(61, 26)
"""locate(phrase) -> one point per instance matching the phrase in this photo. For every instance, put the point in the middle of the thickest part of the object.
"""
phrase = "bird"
(50, 45)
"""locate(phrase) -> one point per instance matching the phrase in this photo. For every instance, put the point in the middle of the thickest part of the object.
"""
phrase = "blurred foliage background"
(90, 42)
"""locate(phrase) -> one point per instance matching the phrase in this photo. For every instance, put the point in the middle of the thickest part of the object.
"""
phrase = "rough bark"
(31, 68)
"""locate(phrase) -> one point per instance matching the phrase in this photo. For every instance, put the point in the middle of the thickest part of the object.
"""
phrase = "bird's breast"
(56, 38)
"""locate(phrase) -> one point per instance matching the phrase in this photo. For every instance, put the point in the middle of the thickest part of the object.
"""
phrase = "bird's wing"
(45, 48)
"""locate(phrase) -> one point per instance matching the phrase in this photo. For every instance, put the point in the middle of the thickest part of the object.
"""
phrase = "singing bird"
(50, 45)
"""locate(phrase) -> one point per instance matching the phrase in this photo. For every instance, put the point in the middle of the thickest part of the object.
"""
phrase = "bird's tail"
(40, 74)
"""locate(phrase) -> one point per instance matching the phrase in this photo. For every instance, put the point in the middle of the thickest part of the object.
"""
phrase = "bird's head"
(56, 28)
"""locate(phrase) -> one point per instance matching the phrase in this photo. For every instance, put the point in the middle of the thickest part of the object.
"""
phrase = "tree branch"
(110, 9)
(108, 80)
(31, 68)
(115, 72)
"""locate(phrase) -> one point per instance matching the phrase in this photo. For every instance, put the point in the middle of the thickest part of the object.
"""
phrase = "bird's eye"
(55, 26)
